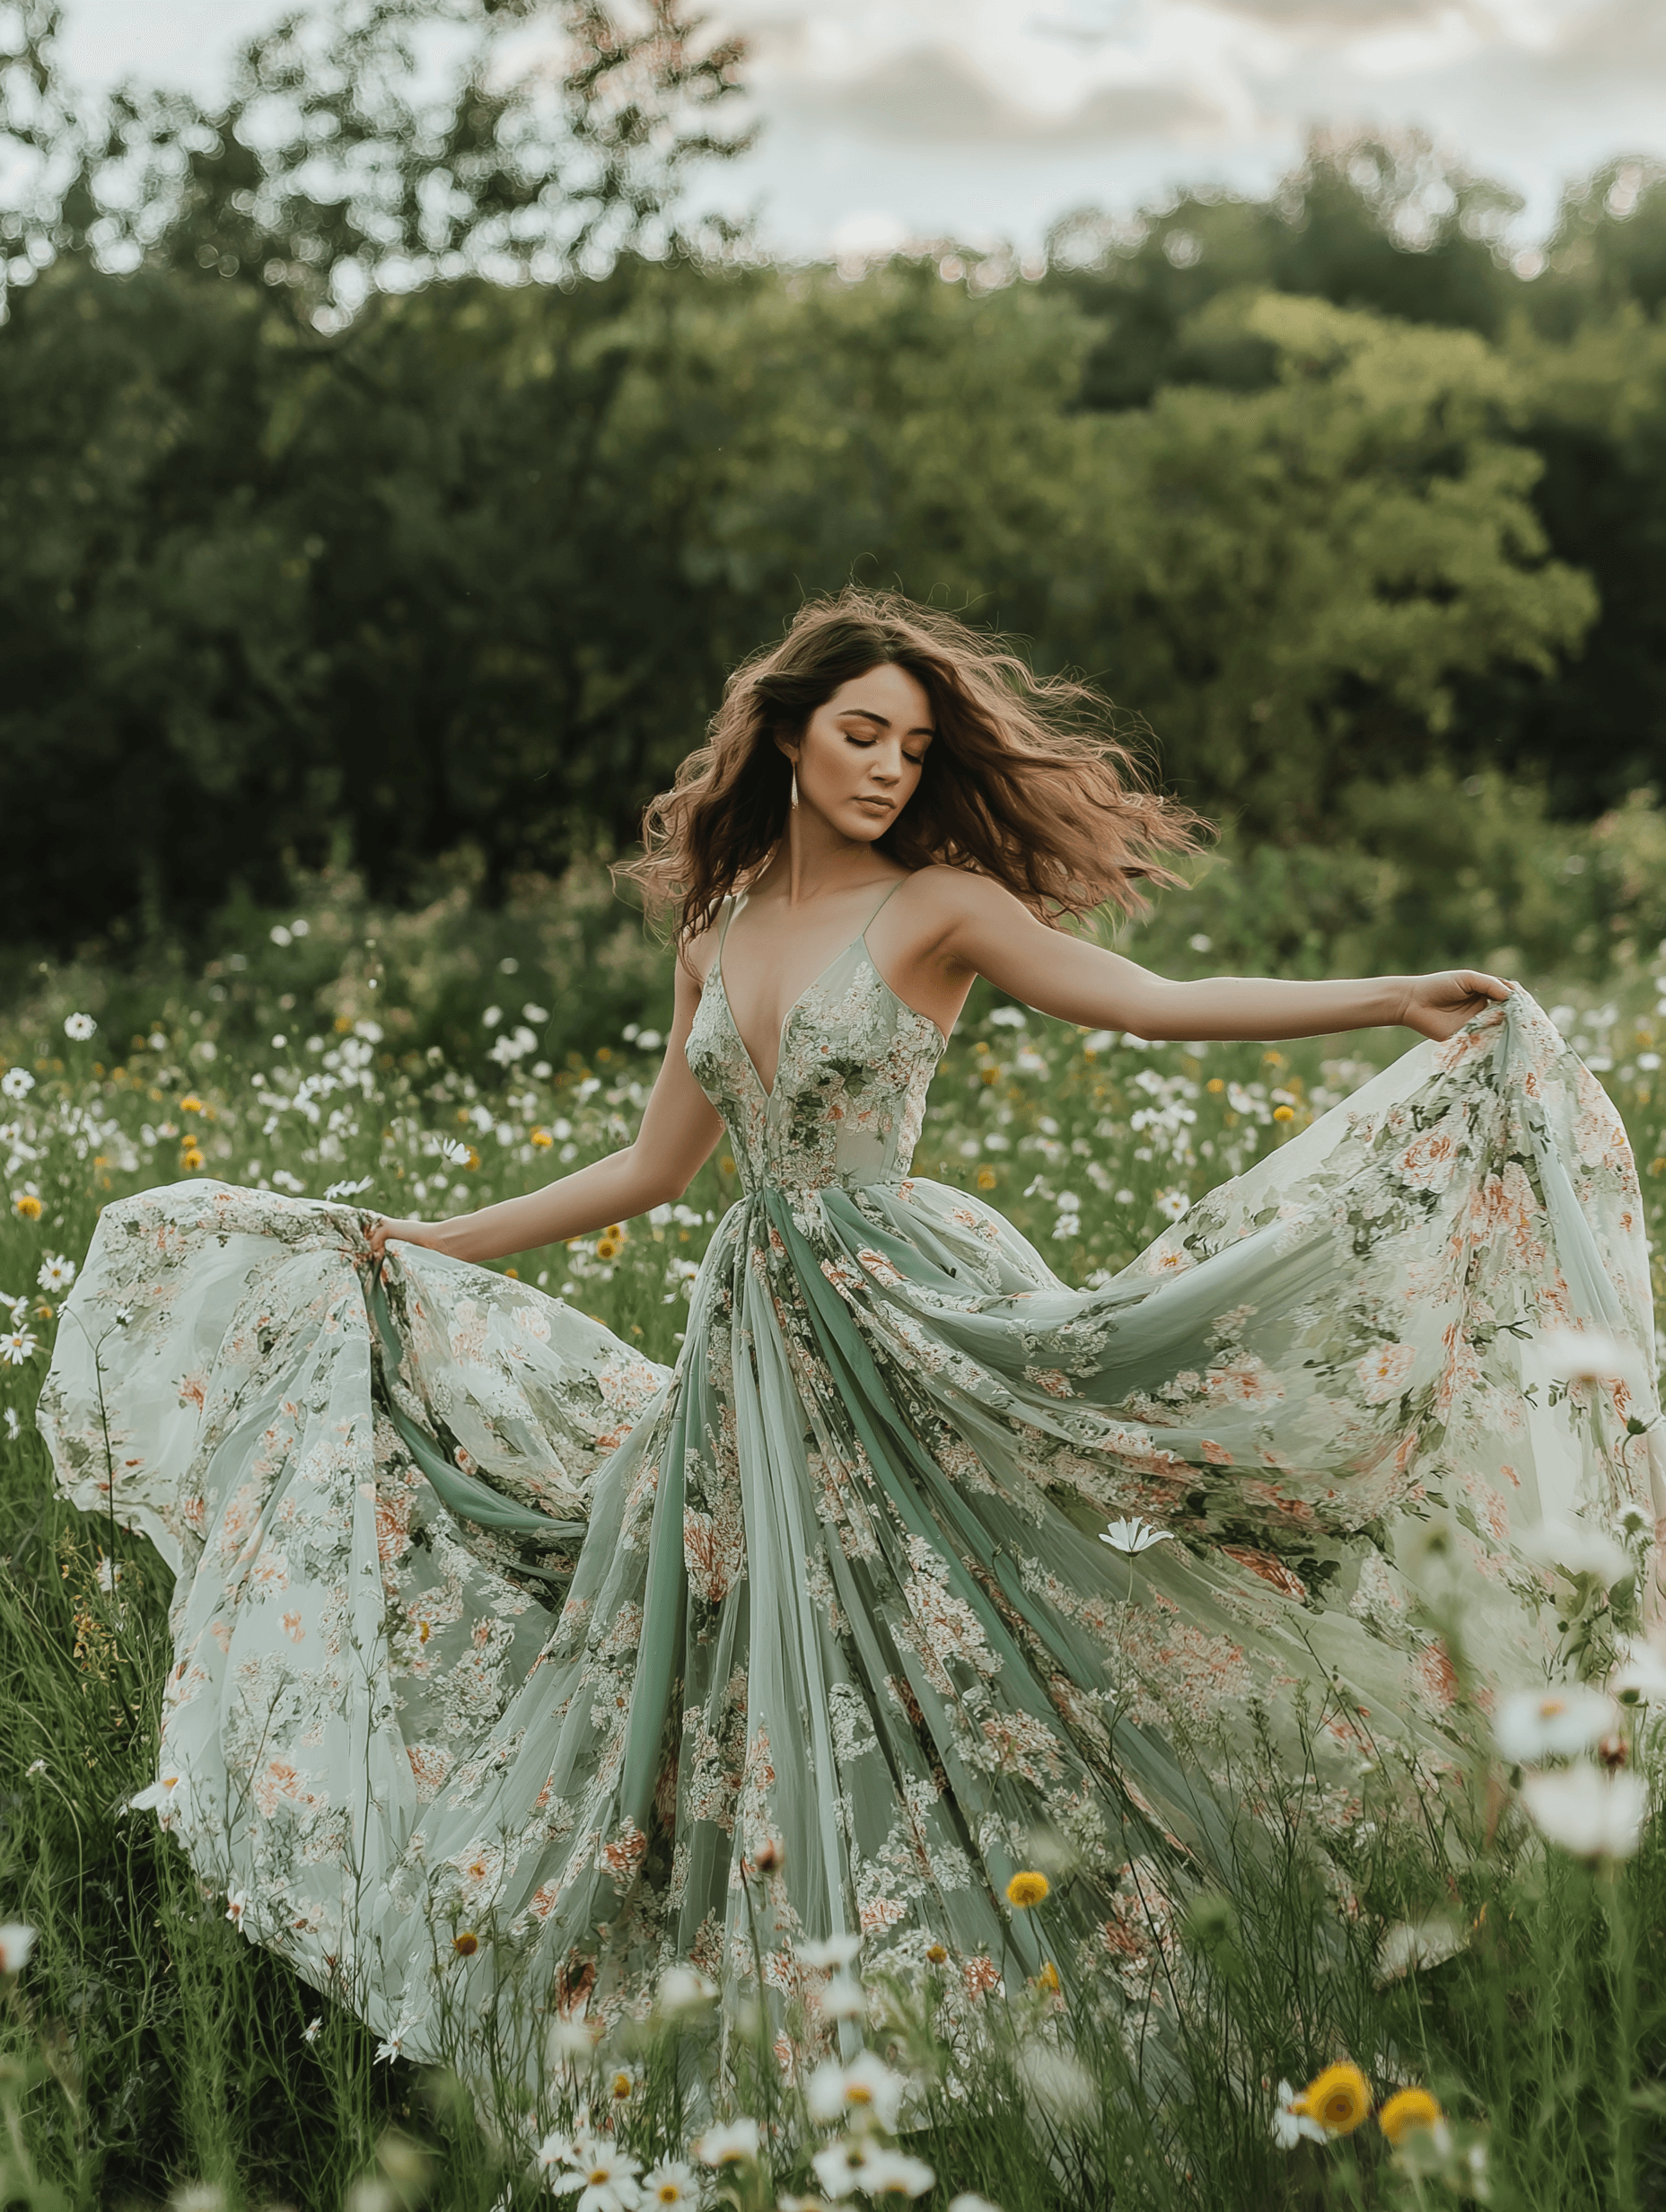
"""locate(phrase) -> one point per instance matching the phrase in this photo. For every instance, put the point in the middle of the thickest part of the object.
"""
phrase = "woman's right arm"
(680, 1126)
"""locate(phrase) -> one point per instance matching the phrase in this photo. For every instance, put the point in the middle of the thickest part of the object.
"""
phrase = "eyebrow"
(882, 722)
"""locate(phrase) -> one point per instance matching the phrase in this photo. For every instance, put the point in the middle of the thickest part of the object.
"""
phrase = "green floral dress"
(499, 1653)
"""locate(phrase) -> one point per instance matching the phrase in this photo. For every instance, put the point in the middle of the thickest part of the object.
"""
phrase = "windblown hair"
(1023, 782)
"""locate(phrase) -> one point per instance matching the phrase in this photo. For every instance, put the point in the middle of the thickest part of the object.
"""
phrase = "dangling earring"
(794, 783)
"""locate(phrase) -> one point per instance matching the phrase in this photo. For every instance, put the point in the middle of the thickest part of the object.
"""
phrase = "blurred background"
(410, 410)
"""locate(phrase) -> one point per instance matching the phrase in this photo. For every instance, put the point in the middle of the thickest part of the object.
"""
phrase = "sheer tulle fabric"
(484, 1627)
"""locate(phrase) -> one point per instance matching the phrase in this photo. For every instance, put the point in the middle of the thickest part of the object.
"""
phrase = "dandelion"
(730, 2143)
(674, 2183)
(1291, 2120)
(56, 1273)
(1552, 1724)
(1338, 2099)
(466, 1944)
(1587, 1812)
(17, 1082)
(1408, 2109)
(1131, 1536)
(1027, 1889)
(17, 1940)
(17, 1346)
(27, 1207)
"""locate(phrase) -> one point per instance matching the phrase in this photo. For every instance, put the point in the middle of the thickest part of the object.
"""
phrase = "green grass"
(147, 2048)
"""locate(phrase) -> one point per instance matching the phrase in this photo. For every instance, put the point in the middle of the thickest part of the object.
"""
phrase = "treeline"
(1324, 490)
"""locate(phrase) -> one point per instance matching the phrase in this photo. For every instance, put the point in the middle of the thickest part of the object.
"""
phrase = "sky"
(889, 121)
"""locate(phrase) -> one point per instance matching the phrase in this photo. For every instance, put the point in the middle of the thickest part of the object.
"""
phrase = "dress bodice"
(855, 1064)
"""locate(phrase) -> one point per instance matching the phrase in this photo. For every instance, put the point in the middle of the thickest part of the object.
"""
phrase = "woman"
(842, 1652)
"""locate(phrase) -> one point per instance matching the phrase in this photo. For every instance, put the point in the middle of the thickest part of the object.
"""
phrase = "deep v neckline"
(860, 938)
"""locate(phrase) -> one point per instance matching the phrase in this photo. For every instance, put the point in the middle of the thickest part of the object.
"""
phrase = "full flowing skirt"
(510, 1668)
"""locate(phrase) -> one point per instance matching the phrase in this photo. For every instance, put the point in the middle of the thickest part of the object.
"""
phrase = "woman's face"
(860, 758)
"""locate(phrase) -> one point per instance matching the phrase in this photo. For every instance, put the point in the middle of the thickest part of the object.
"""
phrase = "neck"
(814, 858)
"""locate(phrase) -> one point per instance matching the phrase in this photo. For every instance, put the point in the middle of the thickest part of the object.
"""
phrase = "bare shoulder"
(958, 896)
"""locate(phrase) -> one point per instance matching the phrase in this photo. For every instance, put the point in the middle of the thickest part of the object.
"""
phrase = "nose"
(887, 760)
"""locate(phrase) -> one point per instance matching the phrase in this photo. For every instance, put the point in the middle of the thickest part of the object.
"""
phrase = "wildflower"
(466, 1944)
(1131, 1536)
(313, 2029)
(867, 2087)
(621, 2082)
(833, 1951)
(603, 2175)
(17, 1346)
(27, 1207)
(37, 1766)
(387, 2051)
(730, 2143)
(166, 1798)
(1172, 1204)
(1338, 2099)
(236, 1905)
(1025, 1889)
(1575, 1549)
(842, 1998)
(683, 1991)
(1586, 1812)
(968, 2200)
(1587, 1355)
(350, 1189)
(1552, 1724)
(1292, 2122)
(1408, 2109)
(1640, 1678)
(938, 1954)
(109, 1574)
(1063, 2088)
(1048, 1979)
(17, 1940)
(17, 1082)
(14, 1427)
(455, 1155)
(190, 1103)
(56, 1273)
(542, 1139)
(569, 2039)
(1284, 1113)
(986, 1178)
(674, 2182)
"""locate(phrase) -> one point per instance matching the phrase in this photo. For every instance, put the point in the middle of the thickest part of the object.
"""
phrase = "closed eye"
(868, 743)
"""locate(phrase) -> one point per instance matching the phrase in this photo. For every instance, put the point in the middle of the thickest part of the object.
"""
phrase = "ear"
(790, 746)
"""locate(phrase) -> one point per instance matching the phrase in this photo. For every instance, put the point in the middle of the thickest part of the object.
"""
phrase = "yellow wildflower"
(607, 1247)
(1408, 2109)
(1215, 1083)
(1025, 1889)
(937, 1953)
(1338, 2099)
(1048, 1979)
(190, 1103)
(26, 1207)
(1284, 1113)
(466, 1945)
(542, 1139)
(986, 1178)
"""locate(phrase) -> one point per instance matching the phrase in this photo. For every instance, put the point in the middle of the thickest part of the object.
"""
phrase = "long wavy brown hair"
(1025, 781)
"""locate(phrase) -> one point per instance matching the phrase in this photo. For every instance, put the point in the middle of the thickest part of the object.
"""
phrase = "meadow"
(150, 2054)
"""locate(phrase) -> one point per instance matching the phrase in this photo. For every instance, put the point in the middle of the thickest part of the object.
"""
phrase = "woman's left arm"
(994, 934)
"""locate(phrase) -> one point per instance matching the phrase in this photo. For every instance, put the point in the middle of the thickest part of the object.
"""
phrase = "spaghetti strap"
(872, 917)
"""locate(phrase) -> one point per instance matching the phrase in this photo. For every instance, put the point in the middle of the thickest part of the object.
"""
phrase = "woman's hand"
(381, 1228)
(1439, 1005)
